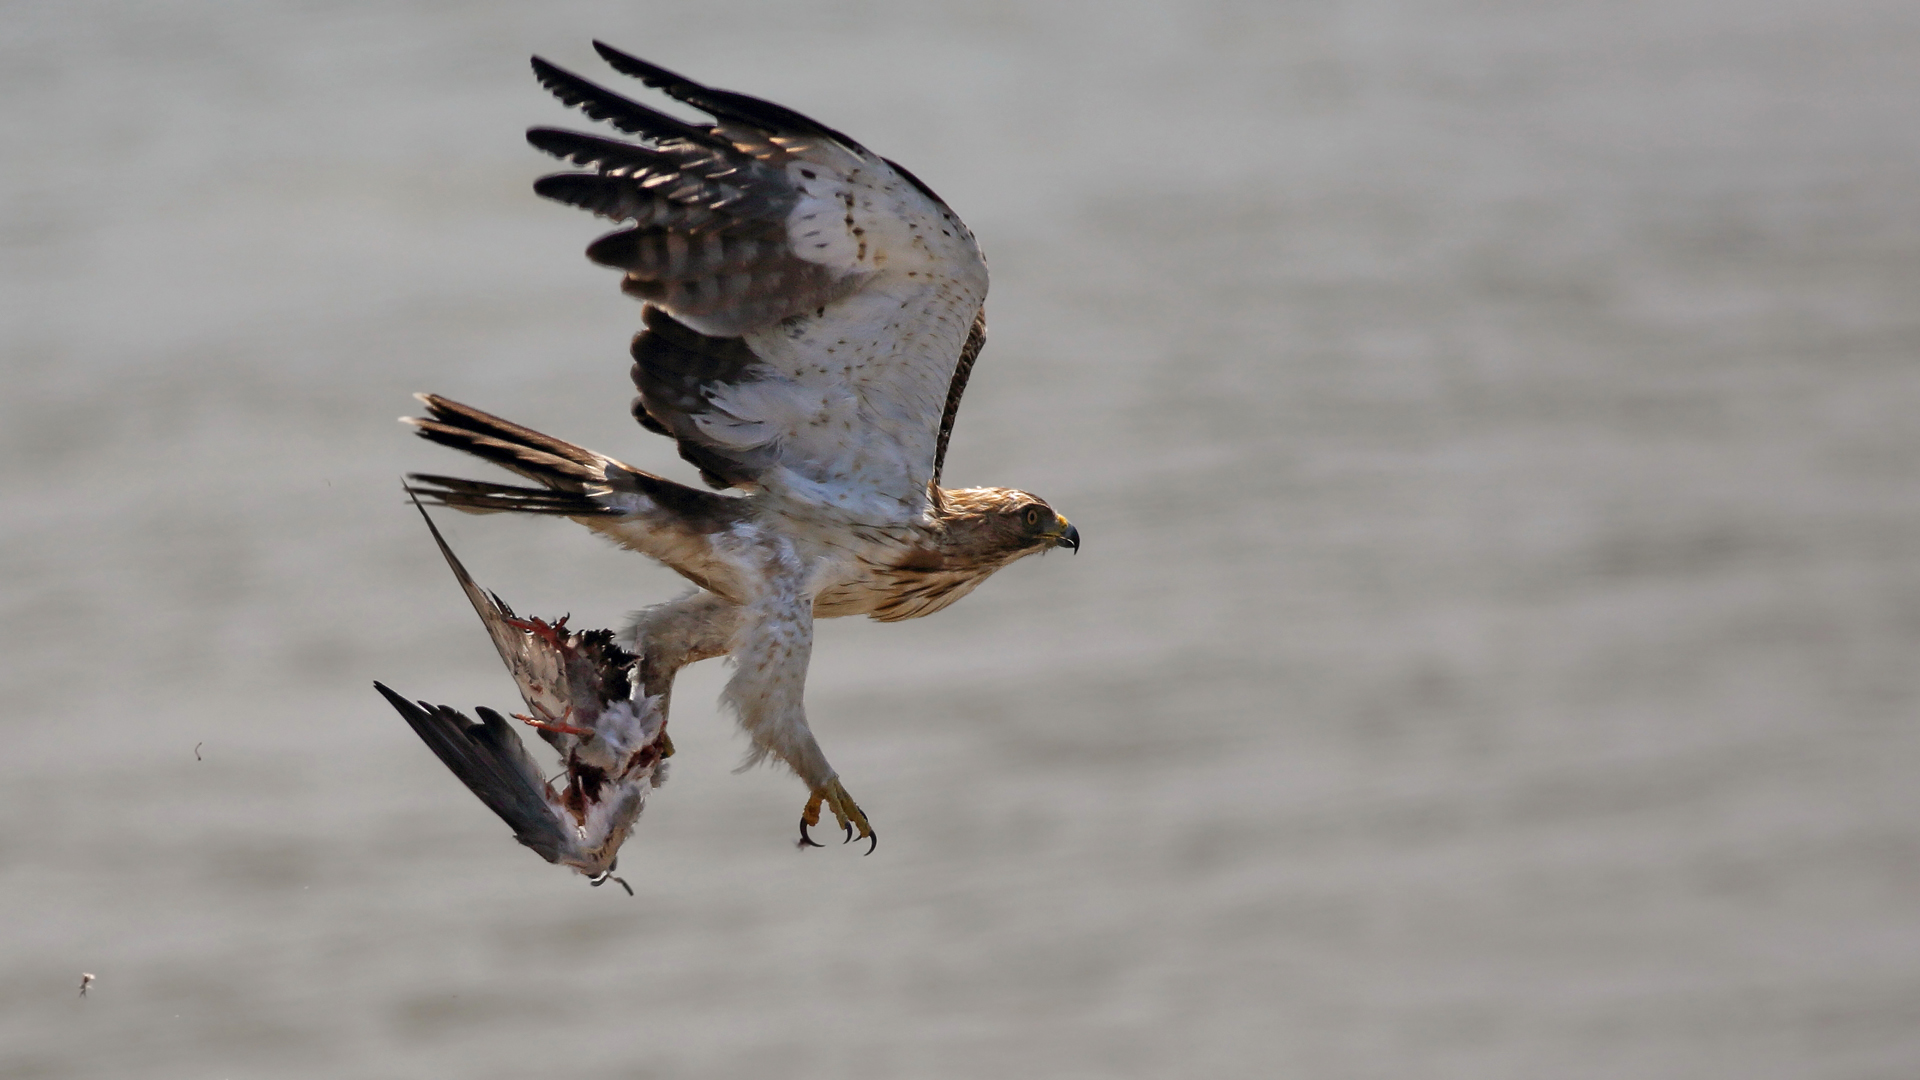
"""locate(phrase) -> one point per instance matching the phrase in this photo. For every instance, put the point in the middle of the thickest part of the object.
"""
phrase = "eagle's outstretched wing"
(813, 309)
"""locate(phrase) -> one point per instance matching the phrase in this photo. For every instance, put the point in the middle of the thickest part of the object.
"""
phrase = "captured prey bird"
(578, 692)
(811, 312)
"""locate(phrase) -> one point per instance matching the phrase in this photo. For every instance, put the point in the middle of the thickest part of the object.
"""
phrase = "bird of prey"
(811, 313)
(579, 697)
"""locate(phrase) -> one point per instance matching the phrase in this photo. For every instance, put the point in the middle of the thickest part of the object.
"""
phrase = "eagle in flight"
(811, 312)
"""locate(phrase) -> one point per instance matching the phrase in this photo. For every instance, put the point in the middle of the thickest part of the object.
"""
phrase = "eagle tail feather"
(575, 481)
(453, 415)
(544, 459)
(484, 497)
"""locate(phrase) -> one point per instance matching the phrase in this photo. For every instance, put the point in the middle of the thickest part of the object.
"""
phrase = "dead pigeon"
(580, 698)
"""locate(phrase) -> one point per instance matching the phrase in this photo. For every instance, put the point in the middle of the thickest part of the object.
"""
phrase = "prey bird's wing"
(536, 661)
(813, 308)
(491, 760)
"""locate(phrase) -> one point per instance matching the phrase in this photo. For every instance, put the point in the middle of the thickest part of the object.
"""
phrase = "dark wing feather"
(608, 154)
(725, 104)
(490, 759)
(629, 116)
(676, 370)
(621, 199)
(976, 340)
(708, 214)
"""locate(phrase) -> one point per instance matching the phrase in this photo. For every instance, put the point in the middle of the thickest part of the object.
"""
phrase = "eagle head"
(998, 525)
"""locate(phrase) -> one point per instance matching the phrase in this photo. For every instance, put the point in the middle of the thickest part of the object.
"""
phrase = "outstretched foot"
(845, 811)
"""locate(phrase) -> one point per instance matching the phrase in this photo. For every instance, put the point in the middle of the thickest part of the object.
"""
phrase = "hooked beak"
(1069, 537)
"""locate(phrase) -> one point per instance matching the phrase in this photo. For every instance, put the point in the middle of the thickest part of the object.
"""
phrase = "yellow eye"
(1033, 516)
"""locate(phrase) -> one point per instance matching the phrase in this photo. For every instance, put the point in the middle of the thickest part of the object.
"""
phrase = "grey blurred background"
(1492, 656)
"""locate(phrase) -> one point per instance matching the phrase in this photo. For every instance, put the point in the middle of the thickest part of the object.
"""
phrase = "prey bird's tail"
(575, 481)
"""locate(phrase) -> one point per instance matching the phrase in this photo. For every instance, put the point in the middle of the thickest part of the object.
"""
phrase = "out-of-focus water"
(1493, 653)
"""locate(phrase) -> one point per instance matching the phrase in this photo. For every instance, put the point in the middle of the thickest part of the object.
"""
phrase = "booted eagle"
(811, 313)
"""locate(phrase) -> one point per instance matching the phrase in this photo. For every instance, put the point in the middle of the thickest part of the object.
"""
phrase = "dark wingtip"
(548, 73)
(631, 117)
(544, 140)
(727, 104)
(626, 63)
(406, 707)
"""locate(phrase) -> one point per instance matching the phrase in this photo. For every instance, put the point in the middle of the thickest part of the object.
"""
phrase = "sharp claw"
(853, 823)
(601, 879)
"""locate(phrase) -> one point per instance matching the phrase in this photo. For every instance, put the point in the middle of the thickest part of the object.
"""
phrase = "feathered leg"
(669, 636)
(771, 649)
(771, 642)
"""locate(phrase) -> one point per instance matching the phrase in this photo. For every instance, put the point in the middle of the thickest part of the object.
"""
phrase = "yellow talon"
(846, 813)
